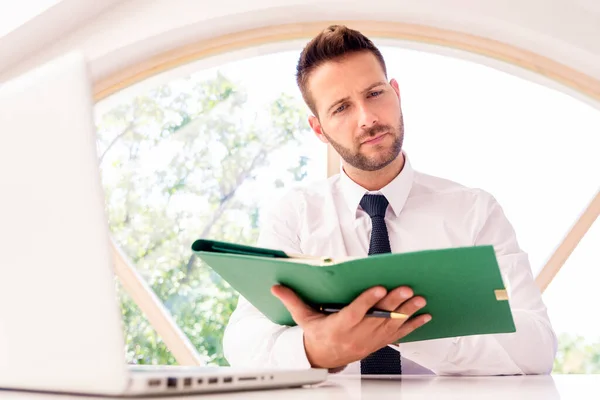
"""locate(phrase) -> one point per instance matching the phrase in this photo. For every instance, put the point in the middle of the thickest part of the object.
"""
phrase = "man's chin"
(374, 165)
(379, 161)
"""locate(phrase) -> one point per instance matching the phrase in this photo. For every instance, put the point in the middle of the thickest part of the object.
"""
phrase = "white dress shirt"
(424, 212)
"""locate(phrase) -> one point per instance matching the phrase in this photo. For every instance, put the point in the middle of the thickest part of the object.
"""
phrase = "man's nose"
(367, 117)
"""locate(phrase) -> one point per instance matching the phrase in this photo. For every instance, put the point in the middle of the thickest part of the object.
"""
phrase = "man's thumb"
(300, 311)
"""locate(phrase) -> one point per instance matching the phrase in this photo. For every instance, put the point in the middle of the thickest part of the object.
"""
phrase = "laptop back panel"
(60, 323)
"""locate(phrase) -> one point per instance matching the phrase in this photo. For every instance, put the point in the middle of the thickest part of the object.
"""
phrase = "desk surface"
(406, 388)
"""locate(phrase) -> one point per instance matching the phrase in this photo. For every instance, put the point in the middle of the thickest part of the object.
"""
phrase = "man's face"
(358, 111)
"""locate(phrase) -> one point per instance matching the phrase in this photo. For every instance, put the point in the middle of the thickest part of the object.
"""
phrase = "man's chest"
(342, 235)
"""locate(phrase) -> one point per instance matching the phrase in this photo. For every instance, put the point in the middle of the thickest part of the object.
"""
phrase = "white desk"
(406, 388)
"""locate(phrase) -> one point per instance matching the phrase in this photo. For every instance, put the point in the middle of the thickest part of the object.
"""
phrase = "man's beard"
(377, 161)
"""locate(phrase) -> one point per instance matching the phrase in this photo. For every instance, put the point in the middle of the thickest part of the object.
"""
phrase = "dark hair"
(332, 43)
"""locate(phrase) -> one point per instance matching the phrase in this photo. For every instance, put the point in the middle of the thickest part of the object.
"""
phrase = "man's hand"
(335, 340)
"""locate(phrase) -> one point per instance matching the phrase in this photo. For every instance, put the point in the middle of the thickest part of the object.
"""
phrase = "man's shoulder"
(426, 185)
(302, 192)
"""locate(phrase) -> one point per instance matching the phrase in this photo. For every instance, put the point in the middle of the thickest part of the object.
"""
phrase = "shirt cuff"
(289, 351)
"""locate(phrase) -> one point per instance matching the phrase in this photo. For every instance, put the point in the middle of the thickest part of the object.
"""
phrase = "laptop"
(60, 318)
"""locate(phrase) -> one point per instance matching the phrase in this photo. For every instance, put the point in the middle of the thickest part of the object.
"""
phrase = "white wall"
(566, 31)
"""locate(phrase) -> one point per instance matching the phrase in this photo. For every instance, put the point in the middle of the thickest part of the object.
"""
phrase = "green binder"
(463, 287)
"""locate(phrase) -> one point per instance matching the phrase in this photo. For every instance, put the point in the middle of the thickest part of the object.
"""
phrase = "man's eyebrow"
(336, 103)
(381, 83)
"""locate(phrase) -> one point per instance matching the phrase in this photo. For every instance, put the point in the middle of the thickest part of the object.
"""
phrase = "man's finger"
(411, 325)
(408, 308)
(395, 298)
(354, 313)
(300, 311)
(412, 306)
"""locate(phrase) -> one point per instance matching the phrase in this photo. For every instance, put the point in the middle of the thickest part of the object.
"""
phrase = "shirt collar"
(396, 192)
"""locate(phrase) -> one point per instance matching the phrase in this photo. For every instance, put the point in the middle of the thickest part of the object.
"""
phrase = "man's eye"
(340, 109)
(375, 94)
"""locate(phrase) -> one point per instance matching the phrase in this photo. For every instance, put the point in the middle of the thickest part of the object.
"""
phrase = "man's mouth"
(375, 140)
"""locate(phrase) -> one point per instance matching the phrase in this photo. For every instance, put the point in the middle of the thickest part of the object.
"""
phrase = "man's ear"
(396, 87)
(315, 125)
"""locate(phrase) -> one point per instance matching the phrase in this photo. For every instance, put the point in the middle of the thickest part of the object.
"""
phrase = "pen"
(330, 309)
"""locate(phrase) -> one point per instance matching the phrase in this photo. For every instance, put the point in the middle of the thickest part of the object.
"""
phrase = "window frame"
(551, 73)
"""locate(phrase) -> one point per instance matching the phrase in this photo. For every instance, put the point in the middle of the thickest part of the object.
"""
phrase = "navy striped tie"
(385, 361)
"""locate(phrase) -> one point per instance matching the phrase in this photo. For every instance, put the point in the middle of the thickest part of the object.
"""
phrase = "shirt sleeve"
(529, 350)
(250, 338)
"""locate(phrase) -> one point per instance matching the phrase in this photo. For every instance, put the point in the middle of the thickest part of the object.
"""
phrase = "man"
(378, 203)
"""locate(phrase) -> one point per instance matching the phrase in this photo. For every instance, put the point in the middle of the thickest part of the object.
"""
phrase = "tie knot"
(374, 204)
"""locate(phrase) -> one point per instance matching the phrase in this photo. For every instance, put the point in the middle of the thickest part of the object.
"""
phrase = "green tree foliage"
(576, 355)
(181, 162)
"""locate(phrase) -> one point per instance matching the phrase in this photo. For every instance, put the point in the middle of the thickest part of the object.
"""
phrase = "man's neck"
(375, 180)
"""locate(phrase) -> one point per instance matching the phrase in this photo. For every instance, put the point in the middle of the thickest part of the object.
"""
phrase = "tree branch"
(115, 139)
(225, 200)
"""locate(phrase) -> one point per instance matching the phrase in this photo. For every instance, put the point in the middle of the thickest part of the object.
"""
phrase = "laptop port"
(187, 382)
(247, 378)
(227, 379)
(171, 383)
(213, 380)
(200, 381)
(154, 382)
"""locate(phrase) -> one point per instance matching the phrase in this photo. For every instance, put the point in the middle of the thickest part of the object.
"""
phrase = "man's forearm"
(252, 340)
(530, 350)
(533, 346)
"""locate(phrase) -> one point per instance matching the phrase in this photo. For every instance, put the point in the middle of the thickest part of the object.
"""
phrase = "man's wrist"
(336, 369)
(309, 354)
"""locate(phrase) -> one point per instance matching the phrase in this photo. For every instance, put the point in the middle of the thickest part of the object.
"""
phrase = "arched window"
(195, 153)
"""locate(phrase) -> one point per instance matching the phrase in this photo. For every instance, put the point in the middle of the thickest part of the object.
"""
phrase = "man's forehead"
(344, 77)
